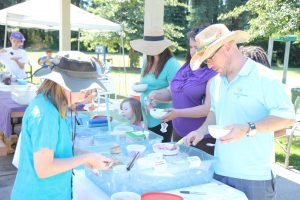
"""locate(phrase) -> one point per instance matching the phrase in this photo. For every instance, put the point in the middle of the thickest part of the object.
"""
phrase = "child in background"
(132, 110)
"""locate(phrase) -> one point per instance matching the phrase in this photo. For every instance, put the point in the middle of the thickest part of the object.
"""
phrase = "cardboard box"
(11, 144)
(3, 150)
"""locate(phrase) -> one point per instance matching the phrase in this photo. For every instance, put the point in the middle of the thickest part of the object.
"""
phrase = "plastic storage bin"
(23, 94)
(177, 174)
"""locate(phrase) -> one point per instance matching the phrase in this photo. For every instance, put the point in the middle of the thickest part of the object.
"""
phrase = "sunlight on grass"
(295, 152)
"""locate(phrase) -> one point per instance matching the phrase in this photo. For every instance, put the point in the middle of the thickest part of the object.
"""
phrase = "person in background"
(14, 57)
(248, 101)
(45, 61)
(189, 92)
(131, 109)
(46, 149)
(259, 55)
(159, 67)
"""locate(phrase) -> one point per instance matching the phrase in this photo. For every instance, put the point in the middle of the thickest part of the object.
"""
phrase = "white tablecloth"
(84, 189)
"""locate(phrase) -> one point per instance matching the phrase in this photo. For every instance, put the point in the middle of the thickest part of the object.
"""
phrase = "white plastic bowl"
(145, 163)
(157, 113)
(133, 149)
(167, 149)
(217, 131)
(139, 87)
(125, 196)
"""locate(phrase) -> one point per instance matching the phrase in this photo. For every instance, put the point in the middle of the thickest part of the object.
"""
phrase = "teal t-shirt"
(251, 96)
(162, 81)
(43, 127)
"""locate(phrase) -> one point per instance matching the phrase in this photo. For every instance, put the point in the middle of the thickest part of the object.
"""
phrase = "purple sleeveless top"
(188, 89)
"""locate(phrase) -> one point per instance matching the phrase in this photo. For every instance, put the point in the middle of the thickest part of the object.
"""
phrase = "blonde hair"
(136, 109)
(55, 94)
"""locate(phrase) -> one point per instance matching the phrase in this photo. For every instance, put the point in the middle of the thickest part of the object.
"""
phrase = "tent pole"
(123, 54)
(5, 34)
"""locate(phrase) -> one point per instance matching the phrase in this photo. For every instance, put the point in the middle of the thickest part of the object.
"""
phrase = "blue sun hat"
(74, 71)
(17, 36)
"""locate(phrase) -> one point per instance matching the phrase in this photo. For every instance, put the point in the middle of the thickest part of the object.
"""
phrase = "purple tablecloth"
(7, 106)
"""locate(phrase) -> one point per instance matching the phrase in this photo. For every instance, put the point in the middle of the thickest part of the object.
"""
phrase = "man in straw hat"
(46, 154)
(247, 101)
(160, 66)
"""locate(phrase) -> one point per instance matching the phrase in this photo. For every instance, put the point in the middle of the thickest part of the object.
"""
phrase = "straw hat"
(211, 39)
(73, 70)
(153, 42)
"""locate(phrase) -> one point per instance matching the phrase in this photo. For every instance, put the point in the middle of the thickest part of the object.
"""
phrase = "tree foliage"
(203, 12)
(269, 17)
(130, 14)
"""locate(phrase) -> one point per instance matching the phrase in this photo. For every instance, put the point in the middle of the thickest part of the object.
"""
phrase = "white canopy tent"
(45, 14)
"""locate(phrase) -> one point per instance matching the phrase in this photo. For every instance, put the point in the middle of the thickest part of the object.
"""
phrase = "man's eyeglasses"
(205, 62)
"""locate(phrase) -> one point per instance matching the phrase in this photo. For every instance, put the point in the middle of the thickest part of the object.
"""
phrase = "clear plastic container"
(177, 174)
(23, 94)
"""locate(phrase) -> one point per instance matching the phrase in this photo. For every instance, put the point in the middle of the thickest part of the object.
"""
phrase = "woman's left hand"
(171, 114)
(98, 161)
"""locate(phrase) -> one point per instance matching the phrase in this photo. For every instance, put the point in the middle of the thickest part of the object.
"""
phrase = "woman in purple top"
(189, 93)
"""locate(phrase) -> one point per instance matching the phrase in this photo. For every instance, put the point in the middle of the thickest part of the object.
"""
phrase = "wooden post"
(270, 50)
(65, 26)
(286, 61)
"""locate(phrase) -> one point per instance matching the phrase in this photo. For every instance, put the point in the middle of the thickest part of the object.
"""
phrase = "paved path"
(288, 182)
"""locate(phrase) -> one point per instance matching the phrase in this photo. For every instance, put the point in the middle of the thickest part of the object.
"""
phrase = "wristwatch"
(252, 130)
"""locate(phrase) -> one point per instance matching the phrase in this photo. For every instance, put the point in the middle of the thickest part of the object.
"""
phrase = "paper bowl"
(167, 149)
(139, 87)
(157, 113)
(217, 131)
(125, 196)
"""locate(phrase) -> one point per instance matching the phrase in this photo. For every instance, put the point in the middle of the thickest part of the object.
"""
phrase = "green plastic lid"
(136, 134)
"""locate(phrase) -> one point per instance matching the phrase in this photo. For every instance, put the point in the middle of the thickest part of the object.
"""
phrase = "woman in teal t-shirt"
(160, 66)
(46, 157)
(157, 73)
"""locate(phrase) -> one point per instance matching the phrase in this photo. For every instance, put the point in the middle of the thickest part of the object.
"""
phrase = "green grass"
(295, 153)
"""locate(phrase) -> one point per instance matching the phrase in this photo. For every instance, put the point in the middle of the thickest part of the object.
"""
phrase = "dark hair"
(163, 58)
(136, 109)
(257, 54)
(49, 51)
(192, 35)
